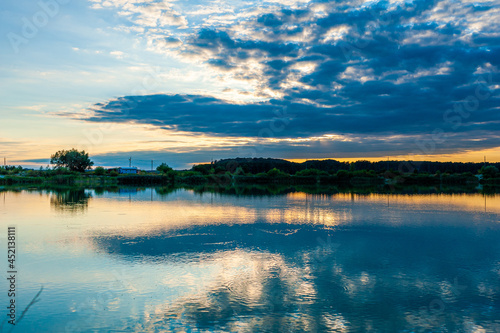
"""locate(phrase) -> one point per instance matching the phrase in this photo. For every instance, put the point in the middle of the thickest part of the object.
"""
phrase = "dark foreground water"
(154, 260)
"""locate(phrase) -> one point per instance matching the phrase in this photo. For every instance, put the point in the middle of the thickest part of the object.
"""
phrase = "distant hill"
(257, 165)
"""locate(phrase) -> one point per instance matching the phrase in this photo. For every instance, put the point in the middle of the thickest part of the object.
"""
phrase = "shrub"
(342, 174)
(99, 171)
(276, 173)
(189, 173)
(310, 172)
(163, 168)
(489, 171)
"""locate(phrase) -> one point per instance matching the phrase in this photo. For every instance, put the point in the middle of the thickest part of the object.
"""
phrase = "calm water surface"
(153, 260)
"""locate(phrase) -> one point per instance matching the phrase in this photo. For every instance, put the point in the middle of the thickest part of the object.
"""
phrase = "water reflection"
(280, 189)
(70, 200)
(258, 260)
(284, 278)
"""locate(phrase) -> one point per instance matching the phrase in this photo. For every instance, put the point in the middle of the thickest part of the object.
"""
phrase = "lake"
(177, 260)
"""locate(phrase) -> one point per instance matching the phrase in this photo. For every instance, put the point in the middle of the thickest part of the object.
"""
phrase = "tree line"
(264, 165)
(74, 161)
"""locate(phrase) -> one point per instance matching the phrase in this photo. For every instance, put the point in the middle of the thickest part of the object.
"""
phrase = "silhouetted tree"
(163, 168)
(489, 171)
(203, 168)
(276, 173)
(72, 159)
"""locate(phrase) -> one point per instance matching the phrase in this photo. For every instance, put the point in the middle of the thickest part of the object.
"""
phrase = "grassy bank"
(69, 180)
(237, 176)
(344, 178)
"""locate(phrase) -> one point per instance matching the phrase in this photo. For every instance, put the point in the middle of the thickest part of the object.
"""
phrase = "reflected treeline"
(277, 189)
(165, 190)
(70, 200)
(160, 190)
(245, 190)
(119, 190)
(269, 189)
(283, 278)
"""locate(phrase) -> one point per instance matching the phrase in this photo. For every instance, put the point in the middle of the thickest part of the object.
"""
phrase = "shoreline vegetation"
(262, 171)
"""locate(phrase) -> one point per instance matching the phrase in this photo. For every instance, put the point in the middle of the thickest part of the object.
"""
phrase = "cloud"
(117, 54)
(391, 126)
(367, 70)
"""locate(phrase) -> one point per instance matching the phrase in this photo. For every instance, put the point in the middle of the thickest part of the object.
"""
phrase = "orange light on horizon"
(491, 156)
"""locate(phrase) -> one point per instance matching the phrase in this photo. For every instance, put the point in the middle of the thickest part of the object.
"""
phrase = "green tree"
(343, 174)
(99, 171)
(203, 168)
(239, 171)
(276, 173)
(310, 172)
(163, 168)
(72, 159)
(489, 171)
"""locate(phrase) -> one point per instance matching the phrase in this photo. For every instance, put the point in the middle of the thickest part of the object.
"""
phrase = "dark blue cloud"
(220, 63)
(388, 115)
(270, 20)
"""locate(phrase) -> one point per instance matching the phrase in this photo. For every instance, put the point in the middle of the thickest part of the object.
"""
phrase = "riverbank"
(355, 179)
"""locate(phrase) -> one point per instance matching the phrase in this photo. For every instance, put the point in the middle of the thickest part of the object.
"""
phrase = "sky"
(187, 82)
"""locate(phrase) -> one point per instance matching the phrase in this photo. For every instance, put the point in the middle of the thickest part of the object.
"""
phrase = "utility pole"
(130, 162)
(151, 165)
(4, 161)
